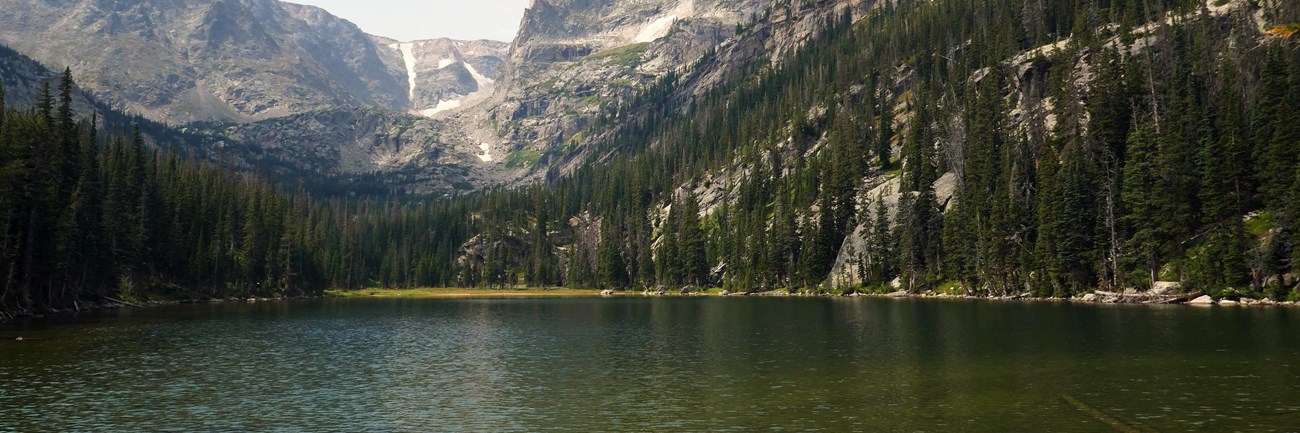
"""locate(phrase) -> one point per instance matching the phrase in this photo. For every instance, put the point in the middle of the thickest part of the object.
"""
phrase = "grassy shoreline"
(445, 292)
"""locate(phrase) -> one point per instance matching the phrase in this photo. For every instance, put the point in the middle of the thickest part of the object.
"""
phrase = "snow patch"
(661, 25)
(443, 105)
(445, 63)
(408, 57)
(657, 29)
(487, 152)
(482, 81)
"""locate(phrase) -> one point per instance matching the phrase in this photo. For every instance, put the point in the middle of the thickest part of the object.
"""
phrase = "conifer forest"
(1042, 148)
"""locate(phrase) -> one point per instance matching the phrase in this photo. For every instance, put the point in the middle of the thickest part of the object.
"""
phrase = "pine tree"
(1047, 212)
(919, 224)
(1145, 246)
(784, 243)
(1293, 218)
(881, 246)
(1276, 130)
(885, 130)
(612, 266)
(692, 256)
(45, 104)
(66, 127)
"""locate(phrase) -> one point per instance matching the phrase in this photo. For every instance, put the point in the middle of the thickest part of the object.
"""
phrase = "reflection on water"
(655, 364)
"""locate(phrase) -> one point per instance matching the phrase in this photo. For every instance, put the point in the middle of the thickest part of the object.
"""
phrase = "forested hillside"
(90, 216)
(1047, 148)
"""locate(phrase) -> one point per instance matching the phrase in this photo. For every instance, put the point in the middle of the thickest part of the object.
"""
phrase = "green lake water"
(695, 364)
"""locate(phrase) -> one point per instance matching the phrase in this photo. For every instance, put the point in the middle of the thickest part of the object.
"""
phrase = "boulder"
(1163, 287)
(1203, 300)
(607, 292)
(899, 294)
(726, 293)
(1091, 297)
(1228, 302)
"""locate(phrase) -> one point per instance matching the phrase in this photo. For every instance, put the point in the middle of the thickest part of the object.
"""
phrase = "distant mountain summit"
(180, 61)
(444, 74)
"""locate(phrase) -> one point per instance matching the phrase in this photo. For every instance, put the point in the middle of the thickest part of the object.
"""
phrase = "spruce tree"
(1145, 244)
(1293, 228)
(45, 104)
(692, 243)
(885, 130)
(612, 266)
(881, 246)
(1279, 156)
(66, 131)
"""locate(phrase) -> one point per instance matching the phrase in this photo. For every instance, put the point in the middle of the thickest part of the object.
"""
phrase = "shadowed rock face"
(186, 60)
(442, 74)
(182, 61)
(573, 60)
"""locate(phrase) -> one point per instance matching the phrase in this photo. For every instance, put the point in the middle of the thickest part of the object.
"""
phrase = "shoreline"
(1099, 298)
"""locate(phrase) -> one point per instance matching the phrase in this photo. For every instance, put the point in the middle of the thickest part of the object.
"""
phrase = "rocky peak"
(191, 60)
(574, 60)
(444, 74)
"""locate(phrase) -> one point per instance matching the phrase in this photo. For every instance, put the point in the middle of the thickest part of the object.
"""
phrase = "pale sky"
(408, 20)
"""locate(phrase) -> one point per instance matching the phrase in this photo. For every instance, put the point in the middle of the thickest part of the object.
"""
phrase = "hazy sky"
(408, 20)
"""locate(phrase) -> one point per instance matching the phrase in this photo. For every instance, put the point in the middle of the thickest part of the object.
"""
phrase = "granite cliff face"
(314, 90)
(573, 60)
(180, 61)
(444, 74)
(186, 60)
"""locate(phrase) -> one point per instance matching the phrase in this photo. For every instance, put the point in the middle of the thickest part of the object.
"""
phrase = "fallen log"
(119, 301)
(1145, 297)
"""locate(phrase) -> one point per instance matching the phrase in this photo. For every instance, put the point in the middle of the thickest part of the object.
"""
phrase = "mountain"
(575, 61)
(241, 68)
(185, 60)
(443, 74)
(181, 61)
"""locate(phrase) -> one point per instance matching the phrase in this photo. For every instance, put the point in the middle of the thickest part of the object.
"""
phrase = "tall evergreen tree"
(692, 244)
(1276, 130)
(1146, 243)
(885, 130)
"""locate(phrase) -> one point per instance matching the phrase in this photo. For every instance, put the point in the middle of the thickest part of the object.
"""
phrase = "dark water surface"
(655, 365)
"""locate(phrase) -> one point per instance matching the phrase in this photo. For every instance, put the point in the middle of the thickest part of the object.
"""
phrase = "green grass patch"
(1259, 224)
(445, 292)
(627, 55)
(523, 158)
(951, 288)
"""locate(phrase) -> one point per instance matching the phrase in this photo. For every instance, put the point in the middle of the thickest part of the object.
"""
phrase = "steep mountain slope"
(443, 74)
(180, 61)
(576, 61)
(184, 60)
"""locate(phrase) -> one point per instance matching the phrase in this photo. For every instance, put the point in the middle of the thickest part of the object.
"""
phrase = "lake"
(655, 364)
